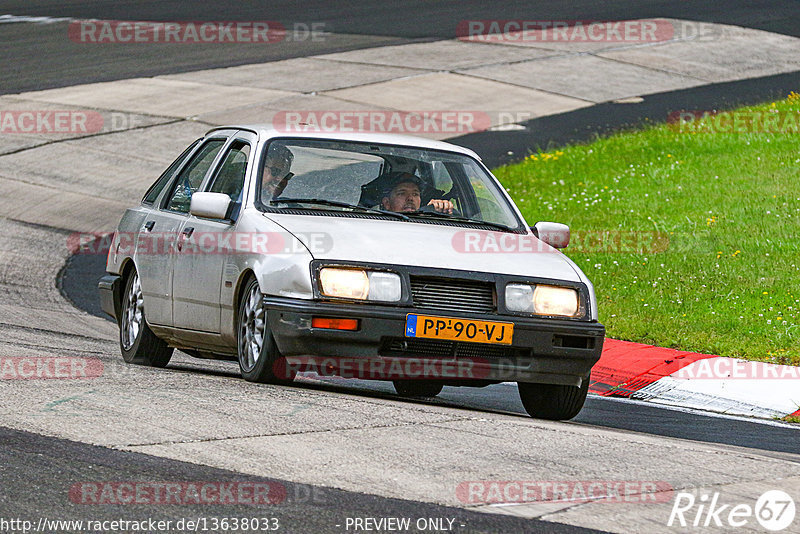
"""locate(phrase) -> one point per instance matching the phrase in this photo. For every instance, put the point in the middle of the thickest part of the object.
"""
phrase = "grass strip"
(689, 231)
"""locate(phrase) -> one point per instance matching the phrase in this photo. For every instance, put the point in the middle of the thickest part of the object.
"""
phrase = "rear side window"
(192, 175)
(159, 184)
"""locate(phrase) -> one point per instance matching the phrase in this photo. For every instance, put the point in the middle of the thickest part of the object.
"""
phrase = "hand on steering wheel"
(442, 206)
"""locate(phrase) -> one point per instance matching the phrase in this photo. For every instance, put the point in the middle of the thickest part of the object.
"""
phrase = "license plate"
(455, 329)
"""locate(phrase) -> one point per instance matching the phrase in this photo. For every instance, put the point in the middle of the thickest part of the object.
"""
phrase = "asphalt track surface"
(40, 56)
(59, 464)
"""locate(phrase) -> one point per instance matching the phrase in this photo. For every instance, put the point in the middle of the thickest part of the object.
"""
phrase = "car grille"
(432, 348)
(420, 348)
(463, 296)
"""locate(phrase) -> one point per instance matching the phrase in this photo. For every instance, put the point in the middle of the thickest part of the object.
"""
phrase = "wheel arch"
(125, 270)
(241, 284)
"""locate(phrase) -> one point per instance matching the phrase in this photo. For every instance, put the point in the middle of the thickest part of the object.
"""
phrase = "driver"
(404, 194)
(276, 171)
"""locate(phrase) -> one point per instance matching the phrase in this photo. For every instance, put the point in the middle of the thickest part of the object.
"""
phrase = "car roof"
(266, 131)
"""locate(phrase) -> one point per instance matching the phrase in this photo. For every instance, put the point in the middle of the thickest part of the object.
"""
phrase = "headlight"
(542, 300)
(360, 284)
(384, 287)
(519, 297)
(552, 300)
(345, 283)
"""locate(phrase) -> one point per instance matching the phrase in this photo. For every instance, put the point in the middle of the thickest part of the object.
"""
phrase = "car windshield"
(349, 176)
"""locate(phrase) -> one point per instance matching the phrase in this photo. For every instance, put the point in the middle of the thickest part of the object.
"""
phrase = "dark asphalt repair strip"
(586, 124)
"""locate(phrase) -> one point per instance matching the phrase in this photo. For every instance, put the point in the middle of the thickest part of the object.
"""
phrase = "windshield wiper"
(459, 218)
(336, 203)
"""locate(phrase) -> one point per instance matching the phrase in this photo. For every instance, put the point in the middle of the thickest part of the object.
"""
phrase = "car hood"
(426, 245)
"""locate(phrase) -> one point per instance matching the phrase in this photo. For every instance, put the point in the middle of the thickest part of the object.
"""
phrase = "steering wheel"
(430, 209)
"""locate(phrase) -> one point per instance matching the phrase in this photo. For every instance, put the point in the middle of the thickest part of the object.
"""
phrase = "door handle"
(187, 232)
(149, 225)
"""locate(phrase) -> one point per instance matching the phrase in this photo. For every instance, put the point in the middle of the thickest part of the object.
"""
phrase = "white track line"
(12, 19)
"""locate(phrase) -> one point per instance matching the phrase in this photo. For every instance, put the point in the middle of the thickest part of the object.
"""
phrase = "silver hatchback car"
(363, 255)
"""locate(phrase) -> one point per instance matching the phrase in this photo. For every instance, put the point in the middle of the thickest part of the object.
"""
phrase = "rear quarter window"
(158, 186)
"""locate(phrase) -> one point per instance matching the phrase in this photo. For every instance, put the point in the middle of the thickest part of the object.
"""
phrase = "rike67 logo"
(774, 510)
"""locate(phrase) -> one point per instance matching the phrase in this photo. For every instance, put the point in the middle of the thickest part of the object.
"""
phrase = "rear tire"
(552, 401)
(139, 345)
(259, 358)
(417, 388)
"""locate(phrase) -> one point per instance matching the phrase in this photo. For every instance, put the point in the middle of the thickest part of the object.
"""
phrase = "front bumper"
(543, 350)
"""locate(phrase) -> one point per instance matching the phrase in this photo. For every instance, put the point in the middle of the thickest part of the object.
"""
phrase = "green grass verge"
(715, 217)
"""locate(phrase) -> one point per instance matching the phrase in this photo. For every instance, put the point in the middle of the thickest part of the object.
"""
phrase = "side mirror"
(210, 205)
(554, 234)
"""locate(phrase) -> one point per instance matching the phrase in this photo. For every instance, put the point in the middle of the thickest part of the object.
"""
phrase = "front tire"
(417, 388)
(259, 358)
(552, 401)
(139, 345)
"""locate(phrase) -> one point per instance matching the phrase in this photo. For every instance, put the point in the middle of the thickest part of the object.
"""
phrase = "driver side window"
(230, 176)
(189, 180)
(443, 181)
